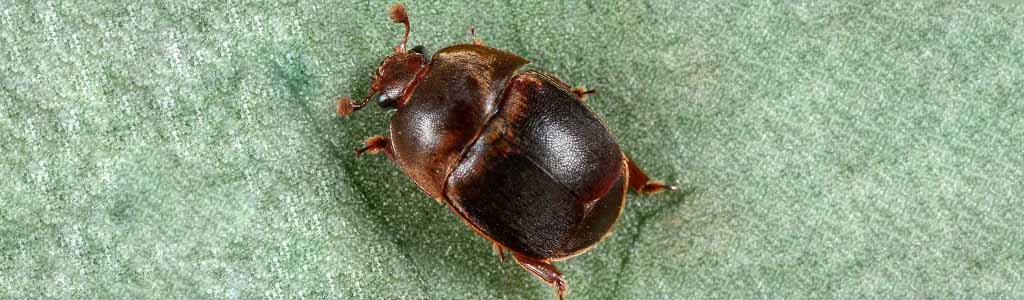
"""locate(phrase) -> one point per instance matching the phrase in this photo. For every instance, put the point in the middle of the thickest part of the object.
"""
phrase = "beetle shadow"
(643, 218)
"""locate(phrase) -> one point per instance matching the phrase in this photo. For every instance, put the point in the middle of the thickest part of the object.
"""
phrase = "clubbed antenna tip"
(345, 106)
(398, 14)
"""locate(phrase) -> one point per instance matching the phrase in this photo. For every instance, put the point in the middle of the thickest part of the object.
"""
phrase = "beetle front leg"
(543, 270)
(640, 183)
(375, 144)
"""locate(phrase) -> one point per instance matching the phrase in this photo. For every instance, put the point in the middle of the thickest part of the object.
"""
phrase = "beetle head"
(395, 74)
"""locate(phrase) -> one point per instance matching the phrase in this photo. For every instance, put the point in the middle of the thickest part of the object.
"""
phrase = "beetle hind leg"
(640, 183)
(543, 270)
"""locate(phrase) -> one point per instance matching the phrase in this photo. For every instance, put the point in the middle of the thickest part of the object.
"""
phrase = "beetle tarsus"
(472, 36)
(656, 186)
(543, 270)
(501, 252)
(560, 288)
(373, 145)
(641, 184)
(583, 92)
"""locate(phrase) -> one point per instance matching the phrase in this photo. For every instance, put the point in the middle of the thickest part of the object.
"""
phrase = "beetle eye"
(386, 100)
(422, 51)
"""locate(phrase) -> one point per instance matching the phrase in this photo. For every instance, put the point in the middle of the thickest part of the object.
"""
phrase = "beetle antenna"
(346, 106)
(399, 15)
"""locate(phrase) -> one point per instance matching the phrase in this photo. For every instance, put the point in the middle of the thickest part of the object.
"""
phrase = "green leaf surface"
(827, 149)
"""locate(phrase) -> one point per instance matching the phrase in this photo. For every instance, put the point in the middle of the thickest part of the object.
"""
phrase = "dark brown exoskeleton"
(517, 156)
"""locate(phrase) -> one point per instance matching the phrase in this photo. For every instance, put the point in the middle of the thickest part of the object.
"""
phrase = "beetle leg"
(374, 144)
(501, 252)
(582, 92)
(642, 184)
(472, 36)
(543, 270)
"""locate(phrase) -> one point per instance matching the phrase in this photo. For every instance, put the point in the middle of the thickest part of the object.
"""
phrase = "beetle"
(517, 156)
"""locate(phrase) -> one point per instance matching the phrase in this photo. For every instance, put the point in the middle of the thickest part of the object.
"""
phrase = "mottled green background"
(189, 150)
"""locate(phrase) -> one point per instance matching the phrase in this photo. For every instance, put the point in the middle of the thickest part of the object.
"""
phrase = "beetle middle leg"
(640, 183)
(501, 252)
(582, 92)
(543, 270)
(472, 36)
(374, 144)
